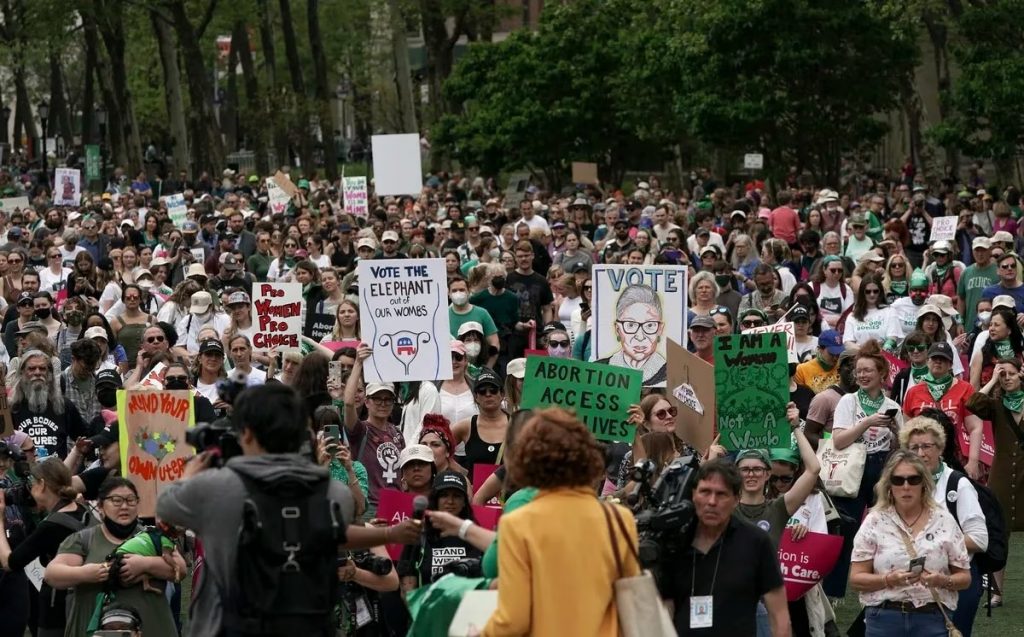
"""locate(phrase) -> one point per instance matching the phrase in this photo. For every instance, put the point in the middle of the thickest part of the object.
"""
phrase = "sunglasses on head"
(899, 481)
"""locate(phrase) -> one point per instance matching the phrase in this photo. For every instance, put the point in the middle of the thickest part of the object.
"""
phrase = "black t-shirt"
(533, 293)
(49, 429)
(429, 559)
(747, 567)
(802, 397)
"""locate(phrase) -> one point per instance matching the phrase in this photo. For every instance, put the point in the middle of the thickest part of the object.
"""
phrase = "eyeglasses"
(782, 479)
(666, 413)
(924, 446)
(53, 256)
(753, 471)
(383, 400)
(558, 343)
(9, 260)
(899, 481)
(178, 379)
(131, 298)
(154, 339)
(488, 391)
(120, 501)
(457, 357)
(649, 327)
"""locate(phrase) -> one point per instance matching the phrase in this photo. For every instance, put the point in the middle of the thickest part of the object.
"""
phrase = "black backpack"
(286, 568)
(993, 559)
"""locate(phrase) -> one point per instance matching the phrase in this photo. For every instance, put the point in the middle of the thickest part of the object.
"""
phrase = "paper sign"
(176, 209)
(752, 390)
(636, 310)
(693, 426)
(584, 173)
(896, 365)
(152, 440)
(67, 187)
(807, 562)
(403, 314)
(284, 182)
(276, 315)
(787, 328)
(34, 571)
(599, 394)
(277, 198)
(753, 161)
(943, 228)
(154, 379)
(397, 164)
(395, 506)
(356, 197)
(10, 204)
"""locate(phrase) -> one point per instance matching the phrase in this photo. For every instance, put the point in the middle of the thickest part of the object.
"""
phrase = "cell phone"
(335, 373)
(891, 413)
(916, 565)
(584, 307)
(332, 433)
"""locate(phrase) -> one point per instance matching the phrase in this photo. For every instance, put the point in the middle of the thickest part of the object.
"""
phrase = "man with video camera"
(271, 523)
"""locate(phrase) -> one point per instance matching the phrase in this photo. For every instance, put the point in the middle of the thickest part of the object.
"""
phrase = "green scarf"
(937, 387)
(940, 273)
(899, 288)
(917, 373)
(824, 365)
(1004, 349)
(1014, 400)
(938, 472)
(868, 404)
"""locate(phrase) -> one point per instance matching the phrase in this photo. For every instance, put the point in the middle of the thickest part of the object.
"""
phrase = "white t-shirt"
(189, 325)
(968, 511)
(876, 325)
(111, 294)
(208, 390)
(805, 350)
(832, 302)
(536, 222)
(849, 412)
(67, 257)
(53, 283)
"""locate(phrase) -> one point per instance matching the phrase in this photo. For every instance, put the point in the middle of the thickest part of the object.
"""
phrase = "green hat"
(784, 454)
(254, 179)
(918, 279)
(304, 183)
(756, 454)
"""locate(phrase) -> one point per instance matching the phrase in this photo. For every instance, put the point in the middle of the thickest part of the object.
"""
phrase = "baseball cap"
(211, 345)
(1004, 300)
(96, 332)
(196, 270)
(31, 326)
(366, 242)
(703, 322)
(578, 266)
(451, 480)
(26, 298)
(981, 243)
(345, 227)
(488, 377)
(870, 255)
(470, 326)
(737, 213)
(941, 349)
(201, 301)
(755, 454)
(1002, 237)
(190, 226)
(708, 248)
(375, 388)
(415, 453)
(799, 312)
(108, 435)
(107, 376)
(941, 246)
(918, 279)
(238, 298)
(516, 368)
(784, 454)
(389, 235)
(231, 263)
(832, 342)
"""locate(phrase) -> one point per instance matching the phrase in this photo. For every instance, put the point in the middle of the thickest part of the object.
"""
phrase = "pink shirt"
(785, 224)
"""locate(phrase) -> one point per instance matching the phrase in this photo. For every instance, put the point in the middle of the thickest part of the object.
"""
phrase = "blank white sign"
(397, 168)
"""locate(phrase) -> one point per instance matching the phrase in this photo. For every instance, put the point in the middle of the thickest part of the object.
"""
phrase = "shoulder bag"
(842, 469)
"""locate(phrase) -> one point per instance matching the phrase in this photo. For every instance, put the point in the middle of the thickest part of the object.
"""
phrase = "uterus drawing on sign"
(405, 345)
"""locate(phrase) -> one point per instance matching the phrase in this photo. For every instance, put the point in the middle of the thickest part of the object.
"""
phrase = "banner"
(276, 315)
(93, 167)
(10, 204)
(787, 328)
(397, 164)
(403, 316)
(177, 211)
(394, 507)
(356, 196)
(943, 229)
(67, 187)
(152, 440)
(692, 384)
(807, 562)
(636, 309)
(278, 198)
(599, 394)
(987, 452)
(752, 390)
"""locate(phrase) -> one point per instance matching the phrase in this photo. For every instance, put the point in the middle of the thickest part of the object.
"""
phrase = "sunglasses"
(916, 348)
(14, 260)
(180, 379)
(154, 339)
(1002, 266)
(488, 391)
(666, 413)
(53, 256)
(835, 270)
(291, 245)
(782, 479)
(558, 343)
(457, 357)
(873, 292)
(719, 310)
(752, 323)
(898, 265)
(899, 481)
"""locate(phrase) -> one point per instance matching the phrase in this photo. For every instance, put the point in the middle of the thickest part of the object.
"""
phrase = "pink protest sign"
(896, 365)
(395, 506)
(480, 474)
(806, 562)
(988, 443)
(334, 346)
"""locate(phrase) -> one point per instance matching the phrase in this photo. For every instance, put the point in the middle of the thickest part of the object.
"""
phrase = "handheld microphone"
(419, 506)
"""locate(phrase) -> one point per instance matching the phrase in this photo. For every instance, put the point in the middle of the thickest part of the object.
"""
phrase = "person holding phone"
(909, 556)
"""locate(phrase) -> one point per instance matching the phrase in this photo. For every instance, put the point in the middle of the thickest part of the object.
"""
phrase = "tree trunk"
(24, 120)
(229, 109)
(275, 93)
(403, 75)
(89, 132)
(172, 88)
(124, 134)
(255, 133)
(301, 130)
(323, 96)
(60, 112)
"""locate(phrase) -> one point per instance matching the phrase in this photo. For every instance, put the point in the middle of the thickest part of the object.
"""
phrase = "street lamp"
(101, 120)
(44, 115)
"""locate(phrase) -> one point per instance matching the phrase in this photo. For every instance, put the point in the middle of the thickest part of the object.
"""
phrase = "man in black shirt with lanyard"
(713, 584)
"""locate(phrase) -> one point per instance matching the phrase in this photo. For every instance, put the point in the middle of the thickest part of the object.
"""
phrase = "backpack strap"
(952, 485)
(66, 520)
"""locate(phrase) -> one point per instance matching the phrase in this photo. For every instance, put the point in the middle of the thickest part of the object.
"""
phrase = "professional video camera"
(18, 495)
(219, 436)
(369, 562)
(665, 511)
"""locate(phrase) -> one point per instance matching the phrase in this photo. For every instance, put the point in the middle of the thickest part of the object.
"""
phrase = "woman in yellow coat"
(555, 554)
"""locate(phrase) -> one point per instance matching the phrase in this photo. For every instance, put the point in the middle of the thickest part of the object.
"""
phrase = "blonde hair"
(920, 426)
(883, 488)
(704, 275)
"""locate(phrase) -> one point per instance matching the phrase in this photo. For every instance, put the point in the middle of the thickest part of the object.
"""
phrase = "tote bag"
(842, 469)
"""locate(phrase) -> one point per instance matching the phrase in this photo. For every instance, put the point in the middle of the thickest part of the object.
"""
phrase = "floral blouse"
(941, 543)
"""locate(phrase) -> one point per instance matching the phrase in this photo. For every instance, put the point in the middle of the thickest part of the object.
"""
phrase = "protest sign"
(152, 440)
(397, 164)
(584, 173)
(692, 384)
(285, 183)
(807, 562)
(276, 315)
(988, 443)
(896, 365)
(277, 197)
(67, 187)
(636, 310)
(752, 390)
(943, 228)
(93, 167)
(516, 189)
(176, 209)
(394, 507)
(403, 314)
(599, 394)
(334, 346)
(356, 197)
(35, 572)
(10, 204)
(319, 322)
(787, 328)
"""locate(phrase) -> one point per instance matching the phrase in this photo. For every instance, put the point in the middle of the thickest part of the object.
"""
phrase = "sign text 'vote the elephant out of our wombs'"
(599, 394)
(752, 390)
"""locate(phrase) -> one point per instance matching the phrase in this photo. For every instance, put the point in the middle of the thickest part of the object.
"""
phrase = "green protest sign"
(752, 390)
(599, 394)
(93, 170)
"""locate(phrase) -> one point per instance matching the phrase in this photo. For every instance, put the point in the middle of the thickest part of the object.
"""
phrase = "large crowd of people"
(905, 362)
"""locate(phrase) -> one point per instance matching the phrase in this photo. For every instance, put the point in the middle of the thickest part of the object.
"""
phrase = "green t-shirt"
(973, 282)
(771, 517)
(478, 314)
(875, 227)
(522, 497)
(259, 265)
(503, 308)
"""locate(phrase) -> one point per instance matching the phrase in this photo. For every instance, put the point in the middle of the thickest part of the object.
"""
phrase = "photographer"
(241, 565)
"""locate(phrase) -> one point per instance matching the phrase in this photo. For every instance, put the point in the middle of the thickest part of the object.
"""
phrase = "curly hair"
(553, 450)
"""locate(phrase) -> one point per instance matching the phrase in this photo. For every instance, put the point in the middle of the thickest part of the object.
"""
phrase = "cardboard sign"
(943, 229)
(692, 381)
(787, 328)
(10, 204)
(277, 197)
(395, 506)
(356, 196)
(284, 182)
(584, 173)
(152, 440)
(807, 562)
(599, 394)
(403, 314)
(67, 187)
(636, 310)
(752, 390)
(177, 211)
(397, 164)
(276, 315)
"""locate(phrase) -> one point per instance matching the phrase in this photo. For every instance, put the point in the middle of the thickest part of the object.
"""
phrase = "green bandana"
(917, 373)
(868, 404)
(1004, 349)
(825, 365)
(937, 387)
(940, 273)
(1014, 400)
(899, 288)
(938, 472)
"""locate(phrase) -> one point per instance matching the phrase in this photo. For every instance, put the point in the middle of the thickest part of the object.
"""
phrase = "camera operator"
(14, 586)
(270, 473)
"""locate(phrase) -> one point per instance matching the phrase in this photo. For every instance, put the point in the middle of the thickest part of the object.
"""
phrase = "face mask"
(460, 298)
(121, 531)
(472, 349)
(43, 314)
(74, 317)
(558, 352)
(984, 318)
(498, 283)
(723, 281)
(176, 384)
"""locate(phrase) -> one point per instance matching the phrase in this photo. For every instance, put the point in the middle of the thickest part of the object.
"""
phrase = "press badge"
(363, 616)
(701, 609)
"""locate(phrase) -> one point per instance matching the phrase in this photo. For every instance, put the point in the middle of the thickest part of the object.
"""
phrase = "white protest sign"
(67, 190)
(176, 209)
(356, 198)
(637, 308)
(787, 328)
(276, 315)
(688, 398)
(943, 228)
(10, 204)
(154, 379)
(753, 161)
(403, 315)
(397, 164)
(278, 198)
(34, 572)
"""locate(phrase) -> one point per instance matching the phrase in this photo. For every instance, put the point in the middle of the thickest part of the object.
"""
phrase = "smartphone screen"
(891, 413)
(332, 433)
(916, 565)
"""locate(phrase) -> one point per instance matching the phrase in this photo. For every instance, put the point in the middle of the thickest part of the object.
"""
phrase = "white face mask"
(472, 350)
(460, 298)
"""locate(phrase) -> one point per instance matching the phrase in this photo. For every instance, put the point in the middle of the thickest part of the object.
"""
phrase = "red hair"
(439, 425)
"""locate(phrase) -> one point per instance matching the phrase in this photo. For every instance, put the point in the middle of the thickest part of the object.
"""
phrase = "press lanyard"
(693, 571)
